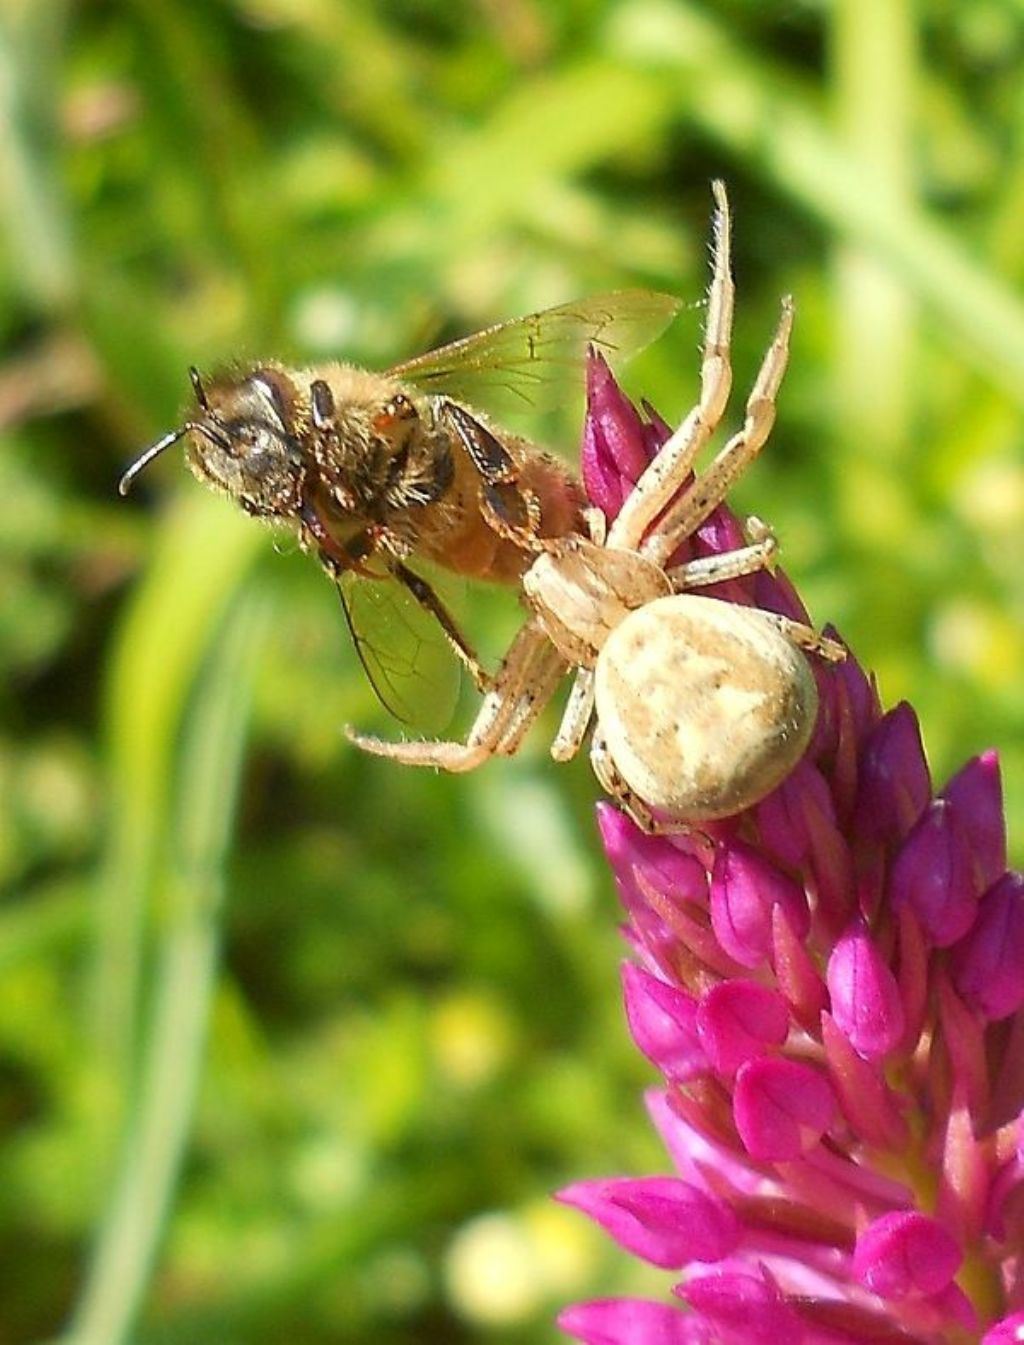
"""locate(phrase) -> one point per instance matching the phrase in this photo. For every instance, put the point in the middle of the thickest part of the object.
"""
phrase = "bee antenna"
(168, 440)
(197, 387)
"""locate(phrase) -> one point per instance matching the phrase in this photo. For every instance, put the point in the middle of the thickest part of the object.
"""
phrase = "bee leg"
(509, 508)
(430, 602)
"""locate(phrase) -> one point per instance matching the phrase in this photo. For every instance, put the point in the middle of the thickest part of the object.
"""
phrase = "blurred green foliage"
(294, 1043)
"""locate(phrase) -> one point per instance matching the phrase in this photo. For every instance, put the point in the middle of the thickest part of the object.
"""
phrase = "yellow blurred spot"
(471, 1037)
(976, 640)
(503, 1267)
(992, 495)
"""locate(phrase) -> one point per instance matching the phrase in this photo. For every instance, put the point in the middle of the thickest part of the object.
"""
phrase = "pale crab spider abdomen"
(702, 706)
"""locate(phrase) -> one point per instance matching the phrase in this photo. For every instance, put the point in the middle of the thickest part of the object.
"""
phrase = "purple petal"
(895, 785)
(781, 1108)
(745, 1307)
(934, 874)
(866, 1004)
(614, 452)
(745, 889)
(662, 1021)
(1008, 1331)
(738, 1020)
(663, 1219)
(632, 1321)
(987, 966)
(905, 1254)
(976, 796)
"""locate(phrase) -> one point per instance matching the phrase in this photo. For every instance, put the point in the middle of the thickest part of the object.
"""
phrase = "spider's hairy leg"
(710, 488)
(576, 718)
(759, 555)
(616, 788)
(545, 673)
(663, 478)
(509, 708)
(806, 637)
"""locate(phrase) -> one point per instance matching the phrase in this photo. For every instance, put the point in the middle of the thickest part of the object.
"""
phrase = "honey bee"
(378, 473)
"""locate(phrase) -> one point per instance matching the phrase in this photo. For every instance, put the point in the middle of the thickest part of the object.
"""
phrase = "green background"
(293, 1043)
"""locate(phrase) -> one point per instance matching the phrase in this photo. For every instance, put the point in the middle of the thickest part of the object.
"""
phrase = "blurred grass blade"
(192, 885)
(32, 204)
(203, 551)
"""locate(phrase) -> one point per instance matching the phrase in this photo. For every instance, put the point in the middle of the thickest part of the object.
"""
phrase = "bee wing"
(405, 655)
(533, 361)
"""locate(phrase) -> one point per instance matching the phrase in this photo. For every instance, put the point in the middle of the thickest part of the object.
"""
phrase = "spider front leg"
(806, 637)
(669, 469)
(576, 717)
(760, 554)
(711, 486)
(524, 684)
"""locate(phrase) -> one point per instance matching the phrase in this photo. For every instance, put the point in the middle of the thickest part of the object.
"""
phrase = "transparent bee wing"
(535, 361)
(407, 660)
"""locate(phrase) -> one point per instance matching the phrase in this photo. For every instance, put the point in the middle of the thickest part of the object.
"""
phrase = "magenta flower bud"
(743, 1308)
(628, 1321)
(649, 863)
(614, 453)
(663, 1023)
(832, 983)
(781, 1108)
(988, 963)
(895, 784)
(975, 794)
(866, 1003)
(662, 1219)
(905, 1254)
(744, 890)
(935, 875)
(738, 1020)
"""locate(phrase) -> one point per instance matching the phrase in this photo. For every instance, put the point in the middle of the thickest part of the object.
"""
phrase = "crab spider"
(700, 707)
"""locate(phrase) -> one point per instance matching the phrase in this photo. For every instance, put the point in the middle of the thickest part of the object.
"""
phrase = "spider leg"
(662, 479)
(759, 555)
(514, 701)
(806, 637)
(576, 718)
(635, 808)
(544, 675)
(711, 486)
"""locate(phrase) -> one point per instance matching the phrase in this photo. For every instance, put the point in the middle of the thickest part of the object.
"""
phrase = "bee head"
(238, 441)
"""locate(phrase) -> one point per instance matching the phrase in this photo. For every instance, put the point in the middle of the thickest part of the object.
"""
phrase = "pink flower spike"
(934, 873)
(666, 1221)
(745, 889)
(820, 981)
(976, 795)
(781, 1108)
(632, 1321)
(738, 1020)
(906, 1254)
(663, 1023)
(987, 965)
(895, 784)
(866, 1003)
